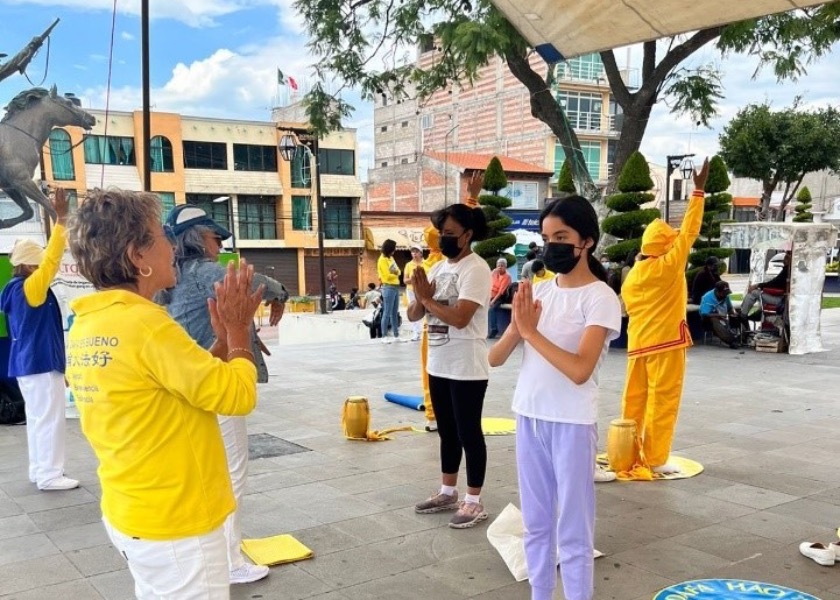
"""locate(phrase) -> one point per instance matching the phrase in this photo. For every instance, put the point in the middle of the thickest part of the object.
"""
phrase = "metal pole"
(232, 225)
(667, 188)
(446, 165)
(320, 208)
(147, 121)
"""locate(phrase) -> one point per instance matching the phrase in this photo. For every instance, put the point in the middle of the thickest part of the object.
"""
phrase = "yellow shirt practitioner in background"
(389, 277)
(432, 237)
(655, 295)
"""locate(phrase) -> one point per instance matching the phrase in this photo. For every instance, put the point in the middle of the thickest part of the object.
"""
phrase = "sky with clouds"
(219, 58)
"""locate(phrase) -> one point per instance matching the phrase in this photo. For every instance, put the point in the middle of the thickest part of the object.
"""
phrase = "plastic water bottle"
(70, 410)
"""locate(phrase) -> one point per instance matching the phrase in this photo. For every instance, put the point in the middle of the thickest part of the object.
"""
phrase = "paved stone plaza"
(765, 426)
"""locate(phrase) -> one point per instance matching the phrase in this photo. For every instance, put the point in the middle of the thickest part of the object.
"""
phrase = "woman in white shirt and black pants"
(566, 326)
(454, 298)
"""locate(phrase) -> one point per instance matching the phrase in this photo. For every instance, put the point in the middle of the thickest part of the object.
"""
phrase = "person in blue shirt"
(36, 358)
(716, 309)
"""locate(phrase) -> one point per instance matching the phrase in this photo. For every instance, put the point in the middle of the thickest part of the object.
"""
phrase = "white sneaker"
(58, 484)
(602, 475)
(666, 469)
(835, 546)
(248, 573)
(818, 553)
(431, 425)
(387, 340)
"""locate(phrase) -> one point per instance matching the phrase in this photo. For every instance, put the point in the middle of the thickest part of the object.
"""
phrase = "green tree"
(363, 44)
(803, 206)
(565, 182)
(634, 185)
(780, 147)
(717, 208)
(492, 204)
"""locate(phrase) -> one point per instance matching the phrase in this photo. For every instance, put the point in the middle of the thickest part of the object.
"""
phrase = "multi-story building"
(232, 169)
(491, 117)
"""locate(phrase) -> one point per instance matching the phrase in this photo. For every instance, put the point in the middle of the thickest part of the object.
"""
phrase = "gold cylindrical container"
(355, 417)
(621, 445)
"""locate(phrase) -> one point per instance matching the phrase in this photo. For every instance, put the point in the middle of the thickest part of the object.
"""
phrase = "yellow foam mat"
(275, 550)
(490, 426)
(688, 468)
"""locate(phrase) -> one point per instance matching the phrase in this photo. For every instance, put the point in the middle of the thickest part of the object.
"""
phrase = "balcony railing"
(601, 124)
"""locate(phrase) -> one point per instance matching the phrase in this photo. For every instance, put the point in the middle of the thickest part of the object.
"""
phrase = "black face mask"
(560, 258)
(449, 246)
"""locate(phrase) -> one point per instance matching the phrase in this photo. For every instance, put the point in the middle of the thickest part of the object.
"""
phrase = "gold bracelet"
(245, 350)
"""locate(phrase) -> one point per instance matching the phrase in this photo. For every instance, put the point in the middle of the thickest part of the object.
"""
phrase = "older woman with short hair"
(198, 240)
(148, 396)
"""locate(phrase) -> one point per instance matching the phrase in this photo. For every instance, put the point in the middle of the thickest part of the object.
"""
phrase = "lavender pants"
(557, 492)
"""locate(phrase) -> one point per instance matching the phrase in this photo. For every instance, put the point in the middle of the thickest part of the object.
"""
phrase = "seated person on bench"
(716, 310)
(705, 280)
(770, 292)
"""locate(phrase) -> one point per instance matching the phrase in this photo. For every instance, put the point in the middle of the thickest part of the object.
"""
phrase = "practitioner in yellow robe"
(432, 237)
(655, 295)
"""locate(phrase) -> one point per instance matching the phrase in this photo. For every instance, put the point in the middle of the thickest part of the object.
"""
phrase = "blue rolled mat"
(415, 402)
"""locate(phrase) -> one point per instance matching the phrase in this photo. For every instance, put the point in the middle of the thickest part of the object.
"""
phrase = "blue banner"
(730, 589)
(524, 219)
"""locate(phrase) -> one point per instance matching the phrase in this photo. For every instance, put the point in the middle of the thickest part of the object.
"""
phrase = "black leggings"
(458, 406)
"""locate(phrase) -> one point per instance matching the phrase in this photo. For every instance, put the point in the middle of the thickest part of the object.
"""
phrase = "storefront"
(406, 229)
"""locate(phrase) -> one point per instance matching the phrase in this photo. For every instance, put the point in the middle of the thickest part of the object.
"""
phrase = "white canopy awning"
(563, 29)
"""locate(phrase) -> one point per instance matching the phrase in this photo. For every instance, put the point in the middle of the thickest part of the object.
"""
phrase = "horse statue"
(24, 130)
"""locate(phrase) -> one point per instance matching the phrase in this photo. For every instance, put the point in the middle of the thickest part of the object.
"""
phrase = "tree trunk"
(632, 131)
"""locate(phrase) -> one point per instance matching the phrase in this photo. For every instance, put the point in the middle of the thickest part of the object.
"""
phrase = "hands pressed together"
(525, 315)
(232, 311)
(424, 290)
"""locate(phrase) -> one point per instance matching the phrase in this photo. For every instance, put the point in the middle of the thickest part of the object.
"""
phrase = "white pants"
(235, 436)
(44, 397)
(554, 462)
(192, 568)
(416, 326)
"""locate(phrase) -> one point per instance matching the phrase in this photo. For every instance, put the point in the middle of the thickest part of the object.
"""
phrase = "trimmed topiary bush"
(634, 185)
(565, 183)
(803, 207)
(498, 240)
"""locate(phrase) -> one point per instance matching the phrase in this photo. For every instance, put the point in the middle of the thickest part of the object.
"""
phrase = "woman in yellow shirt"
(148, 397)
(389, 277)
(416, 261)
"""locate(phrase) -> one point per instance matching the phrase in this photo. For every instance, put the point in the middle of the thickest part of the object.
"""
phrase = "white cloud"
(236, 84)
(126, 36)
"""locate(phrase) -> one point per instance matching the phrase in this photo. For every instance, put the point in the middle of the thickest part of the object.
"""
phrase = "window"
(302, 213)
(403, 161)
(588, 68)
(254, 158)
(167, 201)
(522, 194)
(216, 211)
(258, 217)
(404, 124)
(161, 155)
(205, 155)
(384, 163)
(583, 109)
(591, 156)
(338, 218)
(61, 155)
(426, 121)
(337, 162)
(383, 129)
(301, 169)
(109, 150)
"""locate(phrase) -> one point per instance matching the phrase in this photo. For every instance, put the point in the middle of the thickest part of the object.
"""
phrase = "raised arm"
(692, 221)
(36, 285)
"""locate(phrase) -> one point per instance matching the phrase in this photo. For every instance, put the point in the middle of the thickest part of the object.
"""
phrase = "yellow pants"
(424, 376)
(652, 396)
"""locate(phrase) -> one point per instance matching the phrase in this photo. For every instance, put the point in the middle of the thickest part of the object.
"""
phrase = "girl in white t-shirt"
(566, 326)
(454, 299)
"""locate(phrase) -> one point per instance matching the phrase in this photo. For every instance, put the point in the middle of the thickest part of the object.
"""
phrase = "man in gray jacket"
(198, 240)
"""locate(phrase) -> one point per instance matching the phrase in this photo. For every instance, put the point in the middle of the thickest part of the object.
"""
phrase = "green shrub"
(803, 207)
(628, 225)
(565, 182)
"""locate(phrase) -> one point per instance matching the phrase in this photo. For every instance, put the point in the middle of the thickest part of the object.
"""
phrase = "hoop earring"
(146, 273)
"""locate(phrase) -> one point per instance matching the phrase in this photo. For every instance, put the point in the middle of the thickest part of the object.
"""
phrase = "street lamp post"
(220, 200)
(446, 164)
(672, 163)
(289, 146)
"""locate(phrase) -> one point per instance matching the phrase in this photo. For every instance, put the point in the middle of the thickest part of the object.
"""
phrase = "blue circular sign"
(730, 589)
